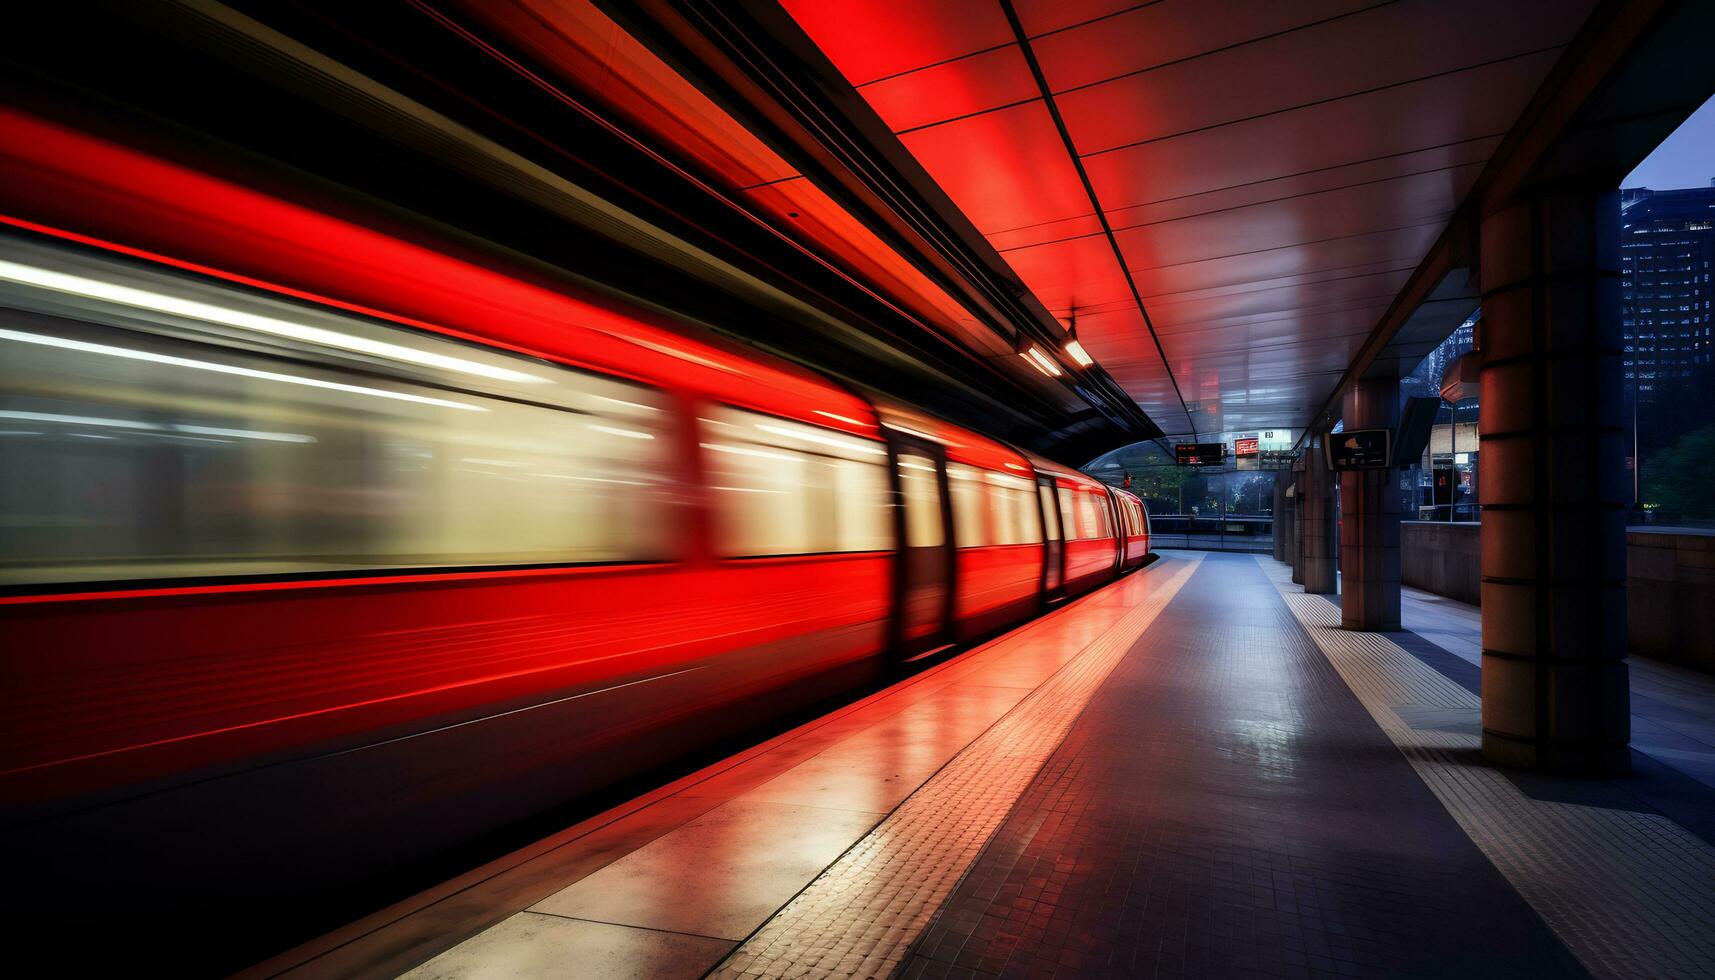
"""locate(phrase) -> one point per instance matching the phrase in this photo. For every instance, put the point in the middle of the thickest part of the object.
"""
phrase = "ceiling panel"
(1386, 45)
(1407, 243)
(1078, 273)
(1383, 264)
(975, 84)
(1047, 231)
(1273, 172)
(1300, 328)
(1003, 169)
(1043, 16)
(1348, 210)
(1150, 35)
(1377, 287)
(1482, 102)
(1473, 153)
(874, 39)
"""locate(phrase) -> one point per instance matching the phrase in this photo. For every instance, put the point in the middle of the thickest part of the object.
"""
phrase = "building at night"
(1667, 241)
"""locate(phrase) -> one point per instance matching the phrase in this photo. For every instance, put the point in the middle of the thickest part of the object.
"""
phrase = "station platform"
(1190, 772)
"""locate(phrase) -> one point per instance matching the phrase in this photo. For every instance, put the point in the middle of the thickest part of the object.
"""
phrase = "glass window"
(1045, 494)
(1013, 507)
(1069, 517)
(991, 508)
(1101, 521)
(786, 488)
(922, 493)
(971, 505)
(139, 442)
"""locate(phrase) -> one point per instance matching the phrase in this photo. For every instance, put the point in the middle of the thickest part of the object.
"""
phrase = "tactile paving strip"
(859, 918)
(1630, 894)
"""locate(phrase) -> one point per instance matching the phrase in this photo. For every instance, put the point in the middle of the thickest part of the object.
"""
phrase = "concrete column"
(1369, 518)
(1317, 516)
(1295, 504)
(1280, 482)
(1553, 540)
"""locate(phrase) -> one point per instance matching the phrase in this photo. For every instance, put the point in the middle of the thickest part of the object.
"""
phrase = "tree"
(1254, 494)
(1162, 485)
(1676, 479)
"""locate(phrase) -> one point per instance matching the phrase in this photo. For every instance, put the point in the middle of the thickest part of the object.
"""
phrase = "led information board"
(1360, 449)
(1199, 453)
(1267, 449)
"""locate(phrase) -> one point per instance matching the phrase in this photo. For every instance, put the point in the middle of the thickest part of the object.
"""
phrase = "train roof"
(963, 445)
(1067, 476)
(81, 188)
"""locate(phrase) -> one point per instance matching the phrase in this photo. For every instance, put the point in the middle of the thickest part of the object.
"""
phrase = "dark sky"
(1685, 159)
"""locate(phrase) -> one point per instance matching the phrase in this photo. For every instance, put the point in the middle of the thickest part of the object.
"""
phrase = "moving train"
(323, 550)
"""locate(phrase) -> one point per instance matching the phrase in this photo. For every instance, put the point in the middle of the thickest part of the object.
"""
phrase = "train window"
(922, 492)
(1013, 506)
(187, 430)
(1056, 530)
(972, 521)
(1070, 516)
(1101, 526)
(786, 488)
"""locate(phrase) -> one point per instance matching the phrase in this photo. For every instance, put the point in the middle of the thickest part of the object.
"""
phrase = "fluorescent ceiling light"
(1042, 362)
(1076, 352)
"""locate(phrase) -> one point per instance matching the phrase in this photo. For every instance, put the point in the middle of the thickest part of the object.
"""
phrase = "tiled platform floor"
(1191, 772)
(1673, 708)
(1625, 885)
(1227, 807)
(667, 885)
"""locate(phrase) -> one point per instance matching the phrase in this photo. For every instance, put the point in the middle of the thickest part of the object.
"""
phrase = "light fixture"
(1042, 362)
(1075, 350)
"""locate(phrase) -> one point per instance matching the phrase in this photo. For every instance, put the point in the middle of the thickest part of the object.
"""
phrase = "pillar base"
(1561, 760)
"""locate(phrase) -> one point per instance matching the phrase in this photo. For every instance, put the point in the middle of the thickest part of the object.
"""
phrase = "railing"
(1463, 511)
(1229, 532)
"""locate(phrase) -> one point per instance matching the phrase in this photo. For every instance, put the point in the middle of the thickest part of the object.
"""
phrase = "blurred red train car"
(324, 550)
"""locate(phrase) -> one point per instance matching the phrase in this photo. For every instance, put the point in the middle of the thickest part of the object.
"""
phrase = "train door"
(1053, 537)
(1117, 521)
(924, 590)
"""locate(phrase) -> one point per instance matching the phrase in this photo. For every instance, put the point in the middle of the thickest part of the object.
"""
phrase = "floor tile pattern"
(1673, 707)
(859, 917)
(1631, 893)
(1226, 807)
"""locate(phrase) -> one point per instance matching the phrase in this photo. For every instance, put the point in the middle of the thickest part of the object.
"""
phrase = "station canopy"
(1225, 196)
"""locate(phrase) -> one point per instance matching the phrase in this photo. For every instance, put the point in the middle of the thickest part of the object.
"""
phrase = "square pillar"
(1279, 512)
(1317, 517)
(1295, 510)
(1555, 692)
(1370, 511)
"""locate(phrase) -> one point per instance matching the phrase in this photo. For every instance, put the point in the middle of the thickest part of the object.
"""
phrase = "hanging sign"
(1199, 453)
(1360, 449)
